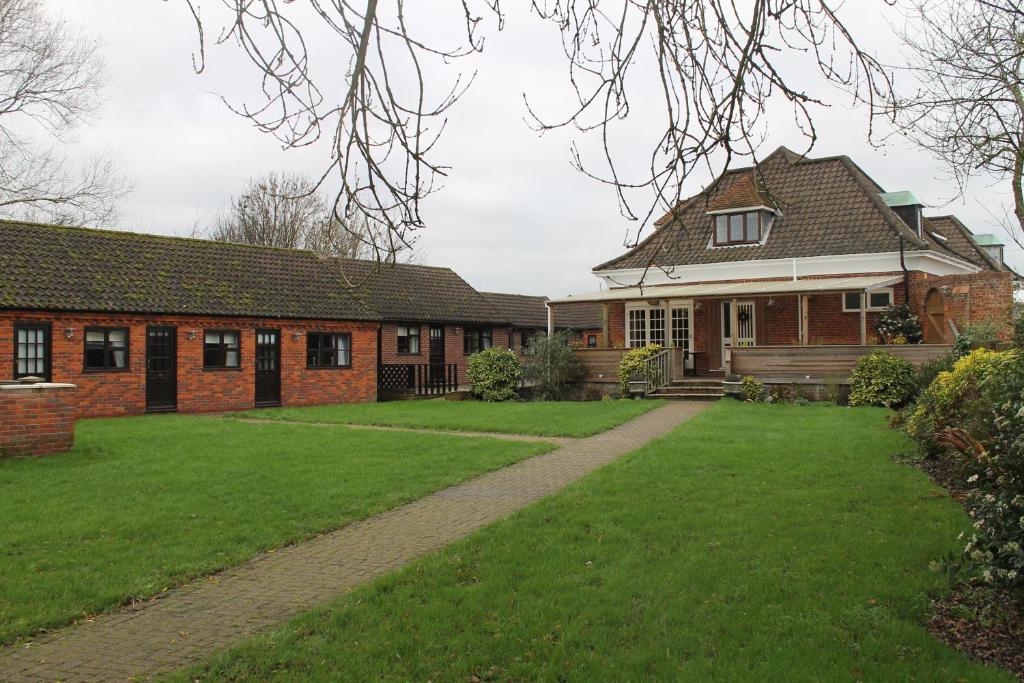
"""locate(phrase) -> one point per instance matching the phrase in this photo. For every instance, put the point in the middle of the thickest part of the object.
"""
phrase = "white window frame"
(889, 290)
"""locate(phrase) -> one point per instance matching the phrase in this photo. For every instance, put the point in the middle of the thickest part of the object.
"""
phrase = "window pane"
(94, 336)
(736, 227)
(117, 336)
(231, 339)
(721, 229)
(880, 299)
(231, 358)
(752, 227)
(212, 338)
(657, 326)
(414, 343)
(852, 301)
(637, 336)
(120, 358)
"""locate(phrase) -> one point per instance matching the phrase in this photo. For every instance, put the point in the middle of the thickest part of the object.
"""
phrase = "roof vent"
(906, 206)
(991, 245)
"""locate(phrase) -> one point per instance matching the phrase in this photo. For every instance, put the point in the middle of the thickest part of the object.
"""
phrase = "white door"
(726, 328)
(681, 330)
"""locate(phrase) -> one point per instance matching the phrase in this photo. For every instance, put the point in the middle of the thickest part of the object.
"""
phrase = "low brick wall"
(36, 419)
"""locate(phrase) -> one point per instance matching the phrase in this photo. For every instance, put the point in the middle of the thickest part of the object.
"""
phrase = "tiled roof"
(582, 316)
(828, 206)
(521, 310)
(959, 241)
(416, 293)
(745, 190)
(64, 268)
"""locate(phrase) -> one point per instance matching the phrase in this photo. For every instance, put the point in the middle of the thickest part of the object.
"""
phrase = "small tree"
(552, 365)
(495, 374)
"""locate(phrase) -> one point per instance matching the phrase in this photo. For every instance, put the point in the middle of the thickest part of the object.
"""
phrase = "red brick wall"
(37, 420)
(971, 298)
(199, 390)
(616, 324)
(502, 338)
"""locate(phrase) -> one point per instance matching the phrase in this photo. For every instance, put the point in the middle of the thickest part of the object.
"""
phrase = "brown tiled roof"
(521, 310)
(582, 316)
(416, 293)
(64, 268)
(828, 206)
(959, 240)
(746, 189)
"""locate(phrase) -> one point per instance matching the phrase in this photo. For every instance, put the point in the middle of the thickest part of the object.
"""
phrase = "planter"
(733, 389)
(637, 388)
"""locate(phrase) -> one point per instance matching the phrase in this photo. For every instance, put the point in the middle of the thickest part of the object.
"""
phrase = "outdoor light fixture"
(699, 305)
(191, 334)
(69, 332)
(771, 301)
(296, 336)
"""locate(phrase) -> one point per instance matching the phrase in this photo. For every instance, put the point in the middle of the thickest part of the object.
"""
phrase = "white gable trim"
(744, 209)
(844, 264)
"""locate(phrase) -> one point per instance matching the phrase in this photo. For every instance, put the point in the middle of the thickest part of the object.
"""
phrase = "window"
(591, 341)
(106, 348)
(220, 349)
(636, 335)
(681, 328)
(878, 300)
(657, 323)
(32, 350)
(739, 228)
(476, 339)
(328, 350)
(408, 338)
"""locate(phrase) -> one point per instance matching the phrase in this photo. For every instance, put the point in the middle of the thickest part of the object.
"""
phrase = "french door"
(681, 330)
(268, 367)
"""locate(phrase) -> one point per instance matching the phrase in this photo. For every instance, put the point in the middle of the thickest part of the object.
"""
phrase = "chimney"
(906, 206)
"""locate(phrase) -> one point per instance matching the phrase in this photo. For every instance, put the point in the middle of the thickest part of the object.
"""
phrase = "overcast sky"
(513, 215)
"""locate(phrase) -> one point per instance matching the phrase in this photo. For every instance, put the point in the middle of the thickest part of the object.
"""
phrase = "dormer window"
(745, 227)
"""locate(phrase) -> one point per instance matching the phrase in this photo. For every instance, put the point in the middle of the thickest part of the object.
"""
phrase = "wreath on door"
(743, 316)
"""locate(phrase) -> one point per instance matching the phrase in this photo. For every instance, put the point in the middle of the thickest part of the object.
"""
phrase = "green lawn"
(753, 543)
(144, 503)
(563, 418)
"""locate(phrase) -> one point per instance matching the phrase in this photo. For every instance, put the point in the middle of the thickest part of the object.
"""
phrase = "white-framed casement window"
(878, 299)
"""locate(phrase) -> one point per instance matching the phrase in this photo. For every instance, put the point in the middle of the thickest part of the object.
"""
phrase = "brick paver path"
(189, 623)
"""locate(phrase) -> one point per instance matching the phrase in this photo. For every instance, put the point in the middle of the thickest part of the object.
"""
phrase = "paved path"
(559, 440)
(189, 623)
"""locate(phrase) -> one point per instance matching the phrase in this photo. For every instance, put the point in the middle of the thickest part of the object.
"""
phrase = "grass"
(562, 418)
(144, 503)
(753, 543)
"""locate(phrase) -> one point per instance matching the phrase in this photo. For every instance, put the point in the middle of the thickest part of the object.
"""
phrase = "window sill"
(409, 353)
(93, 370)
(216, 369)
(328, 367)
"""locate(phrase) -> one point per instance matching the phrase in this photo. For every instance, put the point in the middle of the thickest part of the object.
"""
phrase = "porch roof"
(728, 289)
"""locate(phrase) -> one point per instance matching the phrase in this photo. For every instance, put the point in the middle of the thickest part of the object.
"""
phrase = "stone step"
(685, 396)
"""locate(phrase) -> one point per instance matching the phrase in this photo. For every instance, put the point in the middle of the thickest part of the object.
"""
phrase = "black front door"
(436, 354)
(161, 369)
(268, 367)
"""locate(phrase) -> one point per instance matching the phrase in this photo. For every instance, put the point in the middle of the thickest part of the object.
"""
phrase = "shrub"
(954, 399)
(552, 365)
(882, 379)
(898, 324)
(1018, 326)
(975, 336)
(632, 366)
(927, 373)
(495, 374)
(996, 548)
(752, 389)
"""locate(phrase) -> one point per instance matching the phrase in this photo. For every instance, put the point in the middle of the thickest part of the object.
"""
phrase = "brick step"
(670, 395)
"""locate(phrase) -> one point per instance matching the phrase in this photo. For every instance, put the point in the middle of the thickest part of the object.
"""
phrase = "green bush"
(753, 390)
(977, 335)
(495, 374)
(632, 367)
(552, 365)
(927, 373)
(1018, 326)
(882, 379)
(955, 399)
(898, 324)
(996, 501)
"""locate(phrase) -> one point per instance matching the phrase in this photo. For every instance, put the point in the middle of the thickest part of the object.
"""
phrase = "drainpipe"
(906, 275)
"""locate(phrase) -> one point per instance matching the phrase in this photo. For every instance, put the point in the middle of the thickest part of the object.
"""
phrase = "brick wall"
(966, 298)
(36, 419)
(501, 336)
(123, 392)
(616, 324)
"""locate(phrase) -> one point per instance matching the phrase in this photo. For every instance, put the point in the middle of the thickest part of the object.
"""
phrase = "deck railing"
(657, 370)
(422, 379)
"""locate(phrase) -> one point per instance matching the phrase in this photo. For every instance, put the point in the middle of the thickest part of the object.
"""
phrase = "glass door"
(681, 328)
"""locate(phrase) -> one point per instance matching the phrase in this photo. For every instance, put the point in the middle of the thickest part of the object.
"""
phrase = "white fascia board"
(743, 209)
(843, 264)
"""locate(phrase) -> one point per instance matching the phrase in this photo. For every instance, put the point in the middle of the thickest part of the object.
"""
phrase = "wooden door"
(161, 369)
(268, 367)
(935, 329)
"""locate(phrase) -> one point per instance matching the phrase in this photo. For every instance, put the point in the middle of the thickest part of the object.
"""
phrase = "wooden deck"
(816, 363)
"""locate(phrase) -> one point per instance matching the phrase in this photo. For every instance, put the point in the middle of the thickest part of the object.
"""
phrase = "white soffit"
(809, 286)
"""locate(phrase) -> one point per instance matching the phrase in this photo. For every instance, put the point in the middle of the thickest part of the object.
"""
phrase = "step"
(688, 389)
(708, 383)
(660, 394)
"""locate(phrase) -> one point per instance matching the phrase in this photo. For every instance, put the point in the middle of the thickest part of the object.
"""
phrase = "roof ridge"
(895, 223)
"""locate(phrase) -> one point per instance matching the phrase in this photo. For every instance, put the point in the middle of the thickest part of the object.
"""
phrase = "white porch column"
(551, 320)
(733, 322)
(863, 318)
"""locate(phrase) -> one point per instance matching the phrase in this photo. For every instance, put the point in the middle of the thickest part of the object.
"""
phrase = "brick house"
(794, 252)
(528, 316)
(143, 323)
